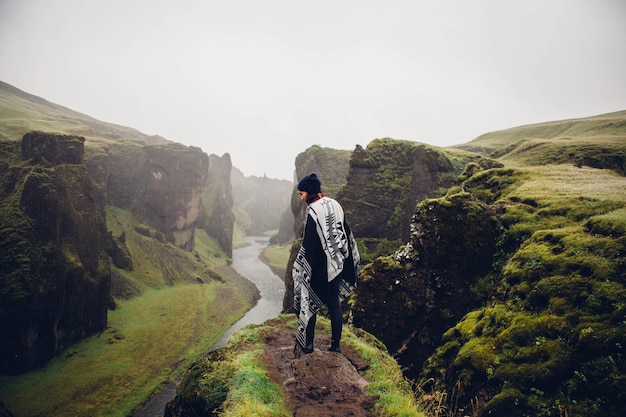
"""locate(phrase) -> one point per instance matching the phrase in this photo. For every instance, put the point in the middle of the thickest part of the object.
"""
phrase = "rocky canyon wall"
(55, 275)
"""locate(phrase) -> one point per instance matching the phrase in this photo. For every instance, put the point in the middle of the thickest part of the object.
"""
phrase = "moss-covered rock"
(549, 340)
(386, 180)
(409, 300)
(55, 277)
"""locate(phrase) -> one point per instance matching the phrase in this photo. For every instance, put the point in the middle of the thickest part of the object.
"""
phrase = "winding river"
(271, 288)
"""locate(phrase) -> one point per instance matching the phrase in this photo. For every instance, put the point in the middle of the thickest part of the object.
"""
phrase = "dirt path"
(320, 384)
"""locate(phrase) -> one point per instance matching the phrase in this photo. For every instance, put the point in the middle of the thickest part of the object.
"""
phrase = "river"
(272, 290)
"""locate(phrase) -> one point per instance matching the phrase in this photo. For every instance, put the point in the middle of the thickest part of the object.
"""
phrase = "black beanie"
(310, 183)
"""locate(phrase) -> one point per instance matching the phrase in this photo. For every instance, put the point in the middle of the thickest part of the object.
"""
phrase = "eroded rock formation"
(55, 276)
(218, 220)
(409, 300)
(386, 181)
(162, 185)
(173, 179)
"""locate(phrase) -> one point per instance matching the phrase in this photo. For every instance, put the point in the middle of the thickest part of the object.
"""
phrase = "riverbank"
(259, 284)
(154, 405)
(149, 341)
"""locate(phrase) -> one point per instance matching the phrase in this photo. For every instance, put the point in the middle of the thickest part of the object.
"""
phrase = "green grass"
(611, 124)
(21, 112)
(112, 373)
(149, 338)
(277, 255)
(250, 391)
(396, 397)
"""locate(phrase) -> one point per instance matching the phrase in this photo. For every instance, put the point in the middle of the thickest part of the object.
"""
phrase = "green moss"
(611, 224)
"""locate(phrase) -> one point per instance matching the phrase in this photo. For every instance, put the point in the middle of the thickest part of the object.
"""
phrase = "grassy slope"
(150, 338)
(560, 292)
(21, 112)
(609, 125)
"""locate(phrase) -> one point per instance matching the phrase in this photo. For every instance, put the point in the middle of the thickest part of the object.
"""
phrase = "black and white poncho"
(328, 252)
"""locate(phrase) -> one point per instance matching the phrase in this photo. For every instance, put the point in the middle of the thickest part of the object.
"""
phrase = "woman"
(327, 265)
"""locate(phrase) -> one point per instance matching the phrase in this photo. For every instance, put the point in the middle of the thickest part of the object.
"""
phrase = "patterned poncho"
(328, 252)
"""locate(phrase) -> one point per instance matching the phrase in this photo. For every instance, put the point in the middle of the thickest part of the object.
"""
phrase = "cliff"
(385, 182)
(410, 299)
(218, 219)
(331, 166)
(162, 185)
(55, 271)
(508, 294)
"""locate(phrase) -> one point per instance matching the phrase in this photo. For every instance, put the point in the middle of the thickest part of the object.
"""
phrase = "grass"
(396, 397)
(611, 124)
(110, 374)
(149, 339)
(277, 255)
(252, 393)
(21, 112)
(552, 183)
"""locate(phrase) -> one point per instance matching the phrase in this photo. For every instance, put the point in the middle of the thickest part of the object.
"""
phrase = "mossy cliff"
(55, 270)
(411, 298)
(330, 165)
(509, 295)
(385, 182)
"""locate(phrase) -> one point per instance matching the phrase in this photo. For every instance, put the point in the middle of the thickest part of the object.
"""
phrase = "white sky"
(264, 80)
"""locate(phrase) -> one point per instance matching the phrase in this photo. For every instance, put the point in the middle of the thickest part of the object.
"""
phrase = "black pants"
(334, 310)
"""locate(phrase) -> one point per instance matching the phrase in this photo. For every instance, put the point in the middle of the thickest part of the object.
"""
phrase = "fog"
(263, 81)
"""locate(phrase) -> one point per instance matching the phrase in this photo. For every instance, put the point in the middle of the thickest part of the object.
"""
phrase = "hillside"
(509, 295)
(21, 112)
(609, 127)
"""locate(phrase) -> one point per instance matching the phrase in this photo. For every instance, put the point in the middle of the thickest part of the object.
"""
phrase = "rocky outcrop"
(409, 300)
(386, 180)
(332, 167)
(55, 277)
(173, 179)
(161, 184)
(218, 219)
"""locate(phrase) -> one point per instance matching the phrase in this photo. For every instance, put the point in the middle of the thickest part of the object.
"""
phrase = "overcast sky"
(264, 80)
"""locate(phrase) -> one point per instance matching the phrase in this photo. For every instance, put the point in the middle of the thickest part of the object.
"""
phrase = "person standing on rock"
(327, 266)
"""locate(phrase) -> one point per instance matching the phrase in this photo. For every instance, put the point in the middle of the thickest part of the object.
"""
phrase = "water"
(272, 290)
